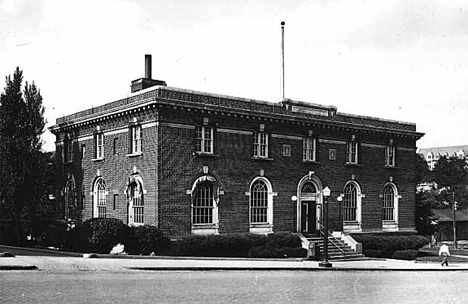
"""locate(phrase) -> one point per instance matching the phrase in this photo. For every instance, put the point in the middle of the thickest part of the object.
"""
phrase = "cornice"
(219, 105)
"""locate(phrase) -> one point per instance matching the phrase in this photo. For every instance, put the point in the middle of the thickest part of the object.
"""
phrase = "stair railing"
(334, 241)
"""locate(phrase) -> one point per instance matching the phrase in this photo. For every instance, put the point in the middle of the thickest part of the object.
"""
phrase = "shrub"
(229, 245)
(283, 240)
(373, 253)
(240, 245)
(293, 252)
(275, 252)
(264, 252)
(145, 240)
(99, 235)
(386, 245)
(55, 235)
(409, 254)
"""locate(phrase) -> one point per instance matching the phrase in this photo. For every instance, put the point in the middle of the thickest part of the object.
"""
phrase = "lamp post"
(326, 193)
(339, 200)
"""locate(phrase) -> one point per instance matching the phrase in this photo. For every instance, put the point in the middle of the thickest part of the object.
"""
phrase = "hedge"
(100, 235)
(409, 254)
(275, 245)
(385, 245)
(146, 240)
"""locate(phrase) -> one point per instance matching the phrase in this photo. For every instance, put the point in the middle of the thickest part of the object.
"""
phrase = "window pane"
(137, 203)
(388, 204)
(203, 204)
(259, 202)
(204, 139)
(101, 199)
(350, 203)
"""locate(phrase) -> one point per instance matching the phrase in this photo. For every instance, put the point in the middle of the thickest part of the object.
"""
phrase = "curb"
(136, 268)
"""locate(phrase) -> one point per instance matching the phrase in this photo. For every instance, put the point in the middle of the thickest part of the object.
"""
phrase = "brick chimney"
(147, 81)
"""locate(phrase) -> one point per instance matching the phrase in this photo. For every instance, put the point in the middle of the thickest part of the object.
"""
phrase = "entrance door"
(308, 217)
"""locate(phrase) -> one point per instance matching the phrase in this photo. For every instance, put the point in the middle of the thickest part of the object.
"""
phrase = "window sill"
(98, 159)
(391, 167)
(351, 227)
(311, 162)
(262, 158)
(205, 229)
(261, 228)
(135, 154)
(203, 154)
(389, 226)
(353, 165)
(136, 224)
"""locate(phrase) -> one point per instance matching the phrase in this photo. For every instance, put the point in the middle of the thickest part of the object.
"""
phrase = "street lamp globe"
(326, 192)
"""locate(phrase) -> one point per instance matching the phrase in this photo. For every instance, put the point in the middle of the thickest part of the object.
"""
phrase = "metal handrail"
(334, 239)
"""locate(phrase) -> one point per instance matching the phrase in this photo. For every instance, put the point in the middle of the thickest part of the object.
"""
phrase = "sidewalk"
(43, 262)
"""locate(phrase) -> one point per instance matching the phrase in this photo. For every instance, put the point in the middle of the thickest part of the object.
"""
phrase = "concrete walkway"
(44, 262)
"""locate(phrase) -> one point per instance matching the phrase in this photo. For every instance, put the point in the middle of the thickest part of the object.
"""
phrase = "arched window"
(390, 199)
(99, 198)
(350, 203)
(352, 207)
(259, 202)
(309, 187)
(135, 202)
(203, 203)
(388, 203)
(261, 206)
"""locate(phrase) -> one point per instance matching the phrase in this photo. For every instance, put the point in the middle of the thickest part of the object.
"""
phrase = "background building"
(199, 163)
(433, 154)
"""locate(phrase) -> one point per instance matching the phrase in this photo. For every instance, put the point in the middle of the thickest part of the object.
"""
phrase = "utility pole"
(454, 207)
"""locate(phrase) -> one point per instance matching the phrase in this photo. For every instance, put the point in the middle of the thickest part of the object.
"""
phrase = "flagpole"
(282, 57)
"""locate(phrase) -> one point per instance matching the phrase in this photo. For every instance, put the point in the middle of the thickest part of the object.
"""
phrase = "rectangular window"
(287, 150)
(308, 149)
(204, 139)
(116, 145)
(390, 156)
(69, 150)
(260, 141)
(135, 139)
(83, 151)
(352, 152)
(99, 139)
(114, 204)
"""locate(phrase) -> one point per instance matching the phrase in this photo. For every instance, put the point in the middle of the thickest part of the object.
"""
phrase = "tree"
(425, 199)
(21, 125)
(451, 174)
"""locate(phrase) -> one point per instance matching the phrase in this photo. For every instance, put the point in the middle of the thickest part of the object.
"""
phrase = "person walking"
(444, 253)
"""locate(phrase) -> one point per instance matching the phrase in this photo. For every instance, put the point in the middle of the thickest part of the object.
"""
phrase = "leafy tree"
(421, 168)
(21, 160)
(425, 222)
(451, 176)
(425, 199)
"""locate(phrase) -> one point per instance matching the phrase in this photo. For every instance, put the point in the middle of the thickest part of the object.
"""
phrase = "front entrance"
(309, 203)
(308, 217)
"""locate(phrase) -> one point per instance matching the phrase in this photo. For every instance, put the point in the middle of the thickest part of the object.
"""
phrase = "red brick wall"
(168, 168)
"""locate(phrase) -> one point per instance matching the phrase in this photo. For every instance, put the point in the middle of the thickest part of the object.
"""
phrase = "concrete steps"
(337, 249)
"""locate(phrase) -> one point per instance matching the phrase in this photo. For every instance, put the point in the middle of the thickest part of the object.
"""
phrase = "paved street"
(233, 287)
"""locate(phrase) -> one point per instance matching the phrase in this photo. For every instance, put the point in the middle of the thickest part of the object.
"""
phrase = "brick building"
(199, 163)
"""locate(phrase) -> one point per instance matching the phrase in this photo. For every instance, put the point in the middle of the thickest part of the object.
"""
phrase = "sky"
(403, 60)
